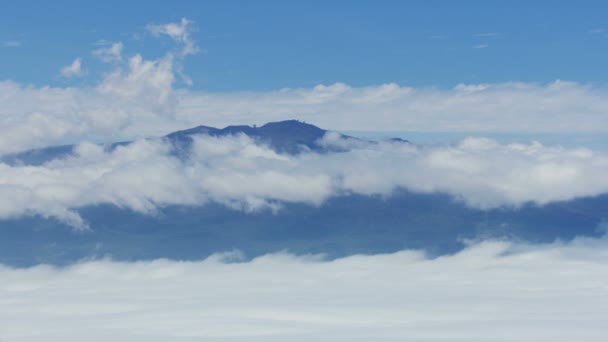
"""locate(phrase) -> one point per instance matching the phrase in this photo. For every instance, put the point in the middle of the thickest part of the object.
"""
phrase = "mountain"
(289, 136)
(345, 225)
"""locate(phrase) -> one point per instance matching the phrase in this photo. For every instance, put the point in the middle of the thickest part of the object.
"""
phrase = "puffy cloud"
(73, 70)
(110, 53)
(139, 99)
(145, 81)
(237, 172)
(488, 292)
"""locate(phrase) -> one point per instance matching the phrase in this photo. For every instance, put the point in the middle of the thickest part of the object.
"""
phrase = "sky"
(269, 45)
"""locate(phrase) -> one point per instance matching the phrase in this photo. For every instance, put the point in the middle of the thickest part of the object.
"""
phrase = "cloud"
(480, 46)
(488, 292)
(139, 96)
(144, 81)
(179, 32)
(73, 70)
(237, 172)
(559, 106)
(110, 53)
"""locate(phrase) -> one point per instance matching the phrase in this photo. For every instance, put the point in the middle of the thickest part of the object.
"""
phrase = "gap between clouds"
(240, 173)
(491, 291)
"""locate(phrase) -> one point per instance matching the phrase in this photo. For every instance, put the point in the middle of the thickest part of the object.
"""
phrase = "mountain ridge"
(287, 136)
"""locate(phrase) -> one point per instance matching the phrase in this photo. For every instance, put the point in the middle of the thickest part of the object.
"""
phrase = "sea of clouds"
(491, 291)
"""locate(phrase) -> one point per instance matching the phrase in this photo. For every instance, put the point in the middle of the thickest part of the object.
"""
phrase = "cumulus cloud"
(110, 53)
(144, 81)
(179, 32)
(73, 70)
(491, 291)
(138, 98)
(239, 173)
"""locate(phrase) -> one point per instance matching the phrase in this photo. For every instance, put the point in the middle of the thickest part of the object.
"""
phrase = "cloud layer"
(491, 291)
(241, 173)
(140, 99)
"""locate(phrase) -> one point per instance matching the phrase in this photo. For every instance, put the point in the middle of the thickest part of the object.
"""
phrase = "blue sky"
(274, 44)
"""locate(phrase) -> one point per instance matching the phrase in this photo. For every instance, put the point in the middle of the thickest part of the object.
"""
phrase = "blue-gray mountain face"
(344, 225)
(289, 136)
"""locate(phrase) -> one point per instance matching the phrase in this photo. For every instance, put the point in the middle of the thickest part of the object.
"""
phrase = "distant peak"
(290, 124)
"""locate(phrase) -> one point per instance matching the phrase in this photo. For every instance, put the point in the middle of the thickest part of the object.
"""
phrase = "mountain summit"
(289, 136)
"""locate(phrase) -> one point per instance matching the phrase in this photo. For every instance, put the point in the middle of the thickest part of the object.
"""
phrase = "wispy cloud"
(179, 32)
(109, 52)
(73, 70)
(10, 44)
(480, 46)
(486, 34)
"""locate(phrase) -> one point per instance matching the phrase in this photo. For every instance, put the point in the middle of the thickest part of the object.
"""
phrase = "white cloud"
(110, 53)
(480, 46)
(238, 173)
(179, 32)
(139, 98)
(145, 81)
(560, 106)
(491, 291)
(73, 70)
